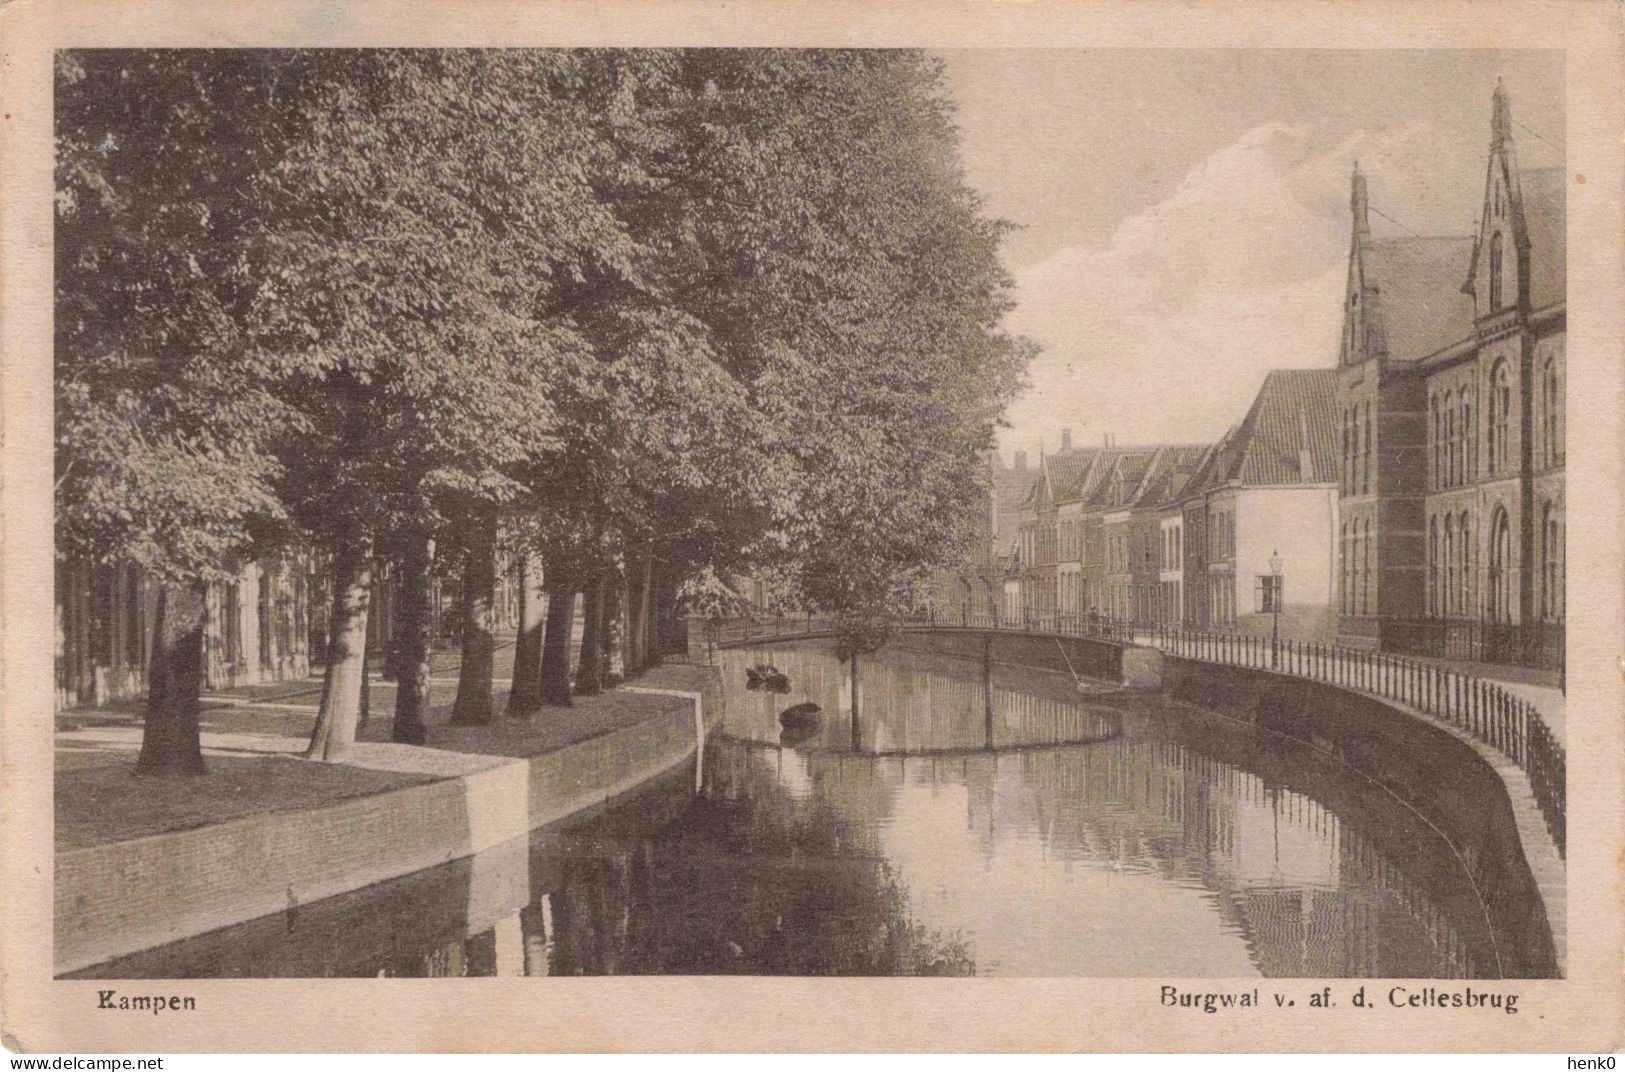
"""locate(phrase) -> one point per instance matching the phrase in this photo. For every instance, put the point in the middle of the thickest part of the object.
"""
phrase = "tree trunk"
(414, 640)
(474, 706)
(561, 610)
(647, 656)
(169, 738)
(345, 675)
(525, 696)
(610, 662)
(364, 707)
(590, 664)
(637, 578)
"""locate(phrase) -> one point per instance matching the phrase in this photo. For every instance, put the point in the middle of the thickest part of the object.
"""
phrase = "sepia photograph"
(765, 510)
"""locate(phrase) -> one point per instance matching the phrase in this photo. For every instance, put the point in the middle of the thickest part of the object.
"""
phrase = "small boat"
(767, 676)
(802, 714)
(801, 723)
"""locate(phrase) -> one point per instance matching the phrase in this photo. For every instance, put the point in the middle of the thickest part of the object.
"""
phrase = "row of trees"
(642, 317)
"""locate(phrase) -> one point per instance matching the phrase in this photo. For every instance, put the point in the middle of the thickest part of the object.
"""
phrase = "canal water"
(936, 816)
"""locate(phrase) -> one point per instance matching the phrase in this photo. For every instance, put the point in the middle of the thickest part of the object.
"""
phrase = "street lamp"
(1275, 607)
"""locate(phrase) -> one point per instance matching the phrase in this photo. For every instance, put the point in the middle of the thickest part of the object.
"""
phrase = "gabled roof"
(1204, 475)
(1011, 487)
(1130, 468)
(1170, 470)
(1069, 468)
(1416, 311)
(1296, 408)
(1545, 216)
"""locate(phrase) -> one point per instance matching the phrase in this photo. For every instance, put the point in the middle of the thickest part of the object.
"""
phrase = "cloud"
(1165, 333)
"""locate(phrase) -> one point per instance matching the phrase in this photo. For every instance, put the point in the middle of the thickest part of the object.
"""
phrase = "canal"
(936, 816)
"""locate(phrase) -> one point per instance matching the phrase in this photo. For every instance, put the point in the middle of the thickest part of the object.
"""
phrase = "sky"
(1185, 213)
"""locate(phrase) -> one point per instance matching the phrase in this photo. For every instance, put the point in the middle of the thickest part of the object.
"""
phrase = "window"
(1365, 471)
(1464, 602)
(1343, 567)
(1433, 567)
(1552, 564)
(1469, 444)
(1365, 569)
(1269, 593)
(1450, 607)
(1495, 271)
(1500, 410)
(1452, 473)
(1552, 395)
(1436, 452)
(1500, 578)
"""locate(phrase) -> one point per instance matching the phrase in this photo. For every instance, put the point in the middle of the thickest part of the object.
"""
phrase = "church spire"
(1358, 203)
(1500, 117)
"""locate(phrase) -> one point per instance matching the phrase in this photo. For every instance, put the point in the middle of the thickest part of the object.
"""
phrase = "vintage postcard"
(770, 527)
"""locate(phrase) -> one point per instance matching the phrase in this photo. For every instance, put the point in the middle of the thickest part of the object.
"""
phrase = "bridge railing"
(1475, 705)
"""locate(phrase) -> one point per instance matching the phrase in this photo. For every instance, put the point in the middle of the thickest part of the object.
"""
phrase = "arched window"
(1436, 423)
(1495, 271)
(1469, 444)
(1365, 472)
(1348, 451)
(1433, 567)
(1500, 576)
(1553, 411)
(1464, 533)
(1343, 567)
(1449, 565)
(1450, 441)
(1365, 569)
(1552, 566)
(1500, 411)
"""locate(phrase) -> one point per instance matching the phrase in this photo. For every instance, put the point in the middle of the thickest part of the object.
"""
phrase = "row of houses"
(1408, 497)
(268, 623)
(1176, 534)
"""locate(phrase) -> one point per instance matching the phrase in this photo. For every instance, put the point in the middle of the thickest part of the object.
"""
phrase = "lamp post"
(1275, 607)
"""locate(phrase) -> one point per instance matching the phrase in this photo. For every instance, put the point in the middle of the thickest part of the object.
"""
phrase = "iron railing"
(1533, 644)
(1490, 713)
(1482, 708)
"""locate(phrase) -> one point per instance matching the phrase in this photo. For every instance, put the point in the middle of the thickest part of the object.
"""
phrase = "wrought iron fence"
(1482, 708)
(1534, 644)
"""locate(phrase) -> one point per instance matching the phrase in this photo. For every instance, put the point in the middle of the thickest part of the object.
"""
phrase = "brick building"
(1450, 407)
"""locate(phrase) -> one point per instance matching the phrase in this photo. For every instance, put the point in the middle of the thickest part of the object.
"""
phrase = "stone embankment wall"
(1463, 788)
(116, 899)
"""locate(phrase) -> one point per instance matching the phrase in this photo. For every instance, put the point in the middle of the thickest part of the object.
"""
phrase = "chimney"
(1066, 439)
(1021, 460)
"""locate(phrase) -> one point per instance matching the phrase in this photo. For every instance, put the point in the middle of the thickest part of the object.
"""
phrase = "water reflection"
(945, 817)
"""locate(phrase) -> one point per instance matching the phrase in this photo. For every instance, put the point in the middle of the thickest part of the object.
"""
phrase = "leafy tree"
(164, 403)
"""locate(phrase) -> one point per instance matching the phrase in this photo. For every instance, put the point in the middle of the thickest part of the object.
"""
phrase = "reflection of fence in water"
(1261, 844)
(1314, 895)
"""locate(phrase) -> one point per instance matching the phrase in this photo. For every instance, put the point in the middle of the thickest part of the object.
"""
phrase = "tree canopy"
(723, 309)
